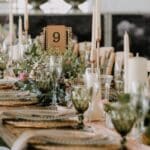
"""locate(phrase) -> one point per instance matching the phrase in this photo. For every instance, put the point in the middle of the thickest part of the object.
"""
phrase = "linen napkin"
(40, 118)
(66, 137)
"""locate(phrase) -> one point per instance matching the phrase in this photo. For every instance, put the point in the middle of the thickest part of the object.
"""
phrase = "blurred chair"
(107, 60)
(84, 49)
(106, 56)
(83, 46)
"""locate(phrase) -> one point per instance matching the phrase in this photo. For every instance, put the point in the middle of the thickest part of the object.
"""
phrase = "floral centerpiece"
(35, 68)
(73, 65)
(27, 69)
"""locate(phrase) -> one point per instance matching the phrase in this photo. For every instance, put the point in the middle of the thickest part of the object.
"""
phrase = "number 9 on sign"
(56, 37)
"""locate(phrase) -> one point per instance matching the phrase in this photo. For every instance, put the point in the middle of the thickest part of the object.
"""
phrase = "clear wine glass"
(105, 85)
(81, 97)
(91, 74)
(55, 66)
(105, 92)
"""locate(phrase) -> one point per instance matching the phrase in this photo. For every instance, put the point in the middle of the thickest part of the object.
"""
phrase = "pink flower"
(23, 76)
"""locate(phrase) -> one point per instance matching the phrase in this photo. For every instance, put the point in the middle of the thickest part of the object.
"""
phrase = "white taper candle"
(10, 22)
(126, 58)
(98, 20)
(20, 30)
(26, 17)
(98, 31)
(93, 44)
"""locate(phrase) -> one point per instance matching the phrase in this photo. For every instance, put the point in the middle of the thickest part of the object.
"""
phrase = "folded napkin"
(68, 123)
(102, 138)
(41, 114)
(15, 93)
(40, 118)
(17, 98)
(64, 137)
(14, 102)
(6, 84)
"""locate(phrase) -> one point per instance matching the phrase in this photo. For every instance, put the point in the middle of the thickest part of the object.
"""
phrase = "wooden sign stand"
(57, 37)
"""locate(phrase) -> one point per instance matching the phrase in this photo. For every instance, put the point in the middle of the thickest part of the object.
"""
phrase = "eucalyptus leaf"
(124, 97)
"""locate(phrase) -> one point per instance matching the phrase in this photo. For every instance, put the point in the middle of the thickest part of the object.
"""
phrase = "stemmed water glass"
(81, 97)
(123, 117)
(55, 66)
(140, 100)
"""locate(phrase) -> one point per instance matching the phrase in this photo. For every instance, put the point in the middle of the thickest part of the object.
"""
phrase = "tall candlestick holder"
(95, 111)
(98, 51)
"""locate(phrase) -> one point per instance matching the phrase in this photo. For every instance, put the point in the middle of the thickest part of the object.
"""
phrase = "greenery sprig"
(121, 98)
(72, 65)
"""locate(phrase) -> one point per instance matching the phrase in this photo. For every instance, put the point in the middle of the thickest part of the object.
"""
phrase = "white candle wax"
(137, 73)
(26, 17)
(98, 31)
(10, 22)
(98, 55)
(93, 44)
(98, 21)
(20, 30)
(126, 58)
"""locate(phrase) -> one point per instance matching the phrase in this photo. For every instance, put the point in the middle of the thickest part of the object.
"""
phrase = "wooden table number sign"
(57, 38)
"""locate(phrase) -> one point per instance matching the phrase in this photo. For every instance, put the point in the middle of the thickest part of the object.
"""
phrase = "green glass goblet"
(81, 97)
(123, 117)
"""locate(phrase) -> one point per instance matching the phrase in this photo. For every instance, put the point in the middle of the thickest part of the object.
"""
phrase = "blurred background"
(117, 16)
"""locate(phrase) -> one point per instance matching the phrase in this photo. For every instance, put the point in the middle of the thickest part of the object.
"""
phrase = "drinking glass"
(43, 83)
(123, 117)
(140, 100)
(119, 85)
(147, 96)
(55, 66)
(92, 81)
(105, 85)
(81, 97)
(118, 72)
(91, 75)
(105, 91)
